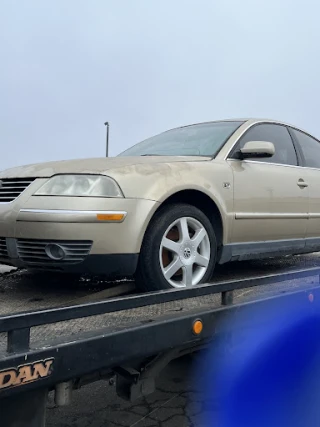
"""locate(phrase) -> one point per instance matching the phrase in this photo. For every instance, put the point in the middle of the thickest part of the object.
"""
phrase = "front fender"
(158, 182)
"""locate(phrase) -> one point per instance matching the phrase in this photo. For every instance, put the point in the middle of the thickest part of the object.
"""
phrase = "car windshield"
(204, 139)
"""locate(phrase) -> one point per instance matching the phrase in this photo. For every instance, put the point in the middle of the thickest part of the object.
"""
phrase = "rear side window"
(285, 152)
(310, 148)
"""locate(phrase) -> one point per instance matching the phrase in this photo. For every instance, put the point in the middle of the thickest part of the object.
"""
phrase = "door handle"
(302, 184)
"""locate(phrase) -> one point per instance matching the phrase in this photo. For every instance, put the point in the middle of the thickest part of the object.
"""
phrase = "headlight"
(80, 185)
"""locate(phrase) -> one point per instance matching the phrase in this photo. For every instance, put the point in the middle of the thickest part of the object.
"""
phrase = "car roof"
(240, 120)
(248, 121)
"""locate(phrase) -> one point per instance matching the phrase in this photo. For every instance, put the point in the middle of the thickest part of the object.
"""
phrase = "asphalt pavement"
(176, 403)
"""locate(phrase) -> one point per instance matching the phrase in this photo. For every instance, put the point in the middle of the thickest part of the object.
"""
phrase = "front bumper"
(108, 264)
(92, 242)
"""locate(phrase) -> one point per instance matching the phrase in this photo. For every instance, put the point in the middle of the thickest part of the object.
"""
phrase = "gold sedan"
(169, 208)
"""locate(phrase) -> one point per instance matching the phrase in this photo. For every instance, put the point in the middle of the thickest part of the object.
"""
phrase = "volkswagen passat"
(169, 208)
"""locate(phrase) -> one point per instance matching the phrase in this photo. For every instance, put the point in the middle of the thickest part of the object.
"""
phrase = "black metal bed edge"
(53, 315)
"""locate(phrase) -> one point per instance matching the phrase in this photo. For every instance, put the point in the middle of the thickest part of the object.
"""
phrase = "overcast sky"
(147, 66)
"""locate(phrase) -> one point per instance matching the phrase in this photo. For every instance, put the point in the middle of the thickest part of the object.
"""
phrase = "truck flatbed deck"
(24, 291)
(75, 332)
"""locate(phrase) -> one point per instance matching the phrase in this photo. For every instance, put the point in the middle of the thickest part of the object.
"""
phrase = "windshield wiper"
(142, 155)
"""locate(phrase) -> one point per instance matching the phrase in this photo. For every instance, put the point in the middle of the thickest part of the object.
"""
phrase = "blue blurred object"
(272, 376)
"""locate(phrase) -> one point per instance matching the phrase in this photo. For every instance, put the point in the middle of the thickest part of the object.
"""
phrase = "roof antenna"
(107, 138)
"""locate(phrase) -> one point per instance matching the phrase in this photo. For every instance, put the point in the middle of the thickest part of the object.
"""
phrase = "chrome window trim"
(273, 164)
(303, 131)
(268, 163)
(241, 135)
(300, 145)
(262, 122)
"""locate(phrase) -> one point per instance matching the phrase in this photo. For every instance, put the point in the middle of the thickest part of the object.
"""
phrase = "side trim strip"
(253, 250)
(62, 215)
(266, 215)
(65, 211)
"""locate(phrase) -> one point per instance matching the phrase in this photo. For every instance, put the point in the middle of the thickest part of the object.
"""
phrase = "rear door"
(310, 150)
(270, 194)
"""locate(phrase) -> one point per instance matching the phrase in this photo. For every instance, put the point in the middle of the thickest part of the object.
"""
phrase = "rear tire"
(191, 256)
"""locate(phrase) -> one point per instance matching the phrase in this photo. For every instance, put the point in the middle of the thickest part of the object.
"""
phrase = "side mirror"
(256, 149)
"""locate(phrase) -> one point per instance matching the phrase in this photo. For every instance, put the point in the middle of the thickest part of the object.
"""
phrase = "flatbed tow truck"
(124, 337)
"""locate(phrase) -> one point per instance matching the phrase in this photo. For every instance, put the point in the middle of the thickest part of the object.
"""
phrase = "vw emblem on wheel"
(187, 252)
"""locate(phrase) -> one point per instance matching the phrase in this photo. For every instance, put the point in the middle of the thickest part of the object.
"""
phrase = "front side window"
(310, 148)
(277, 134)
(204, 139)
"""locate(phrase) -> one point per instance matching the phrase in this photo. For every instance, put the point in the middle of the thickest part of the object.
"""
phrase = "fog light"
(55, 251)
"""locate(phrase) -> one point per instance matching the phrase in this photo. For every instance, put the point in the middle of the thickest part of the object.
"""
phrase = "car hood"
(91, 166)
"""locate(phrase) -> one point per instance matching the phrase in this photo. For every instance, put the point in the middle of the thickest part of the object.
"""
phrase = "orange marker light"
(116, 217)
(311, 297)
(197, 327)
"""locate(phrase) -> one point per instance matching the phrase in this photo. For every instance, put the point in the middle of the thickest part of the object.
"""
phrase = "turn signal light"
(115, 217)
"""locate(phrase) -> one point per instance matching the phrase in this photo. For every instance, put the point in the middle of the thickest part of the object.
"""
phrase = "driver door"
(270, 196)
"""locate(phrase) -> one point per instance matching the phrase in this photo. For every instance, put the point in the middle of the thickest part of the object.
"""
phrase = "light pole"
(107, 138)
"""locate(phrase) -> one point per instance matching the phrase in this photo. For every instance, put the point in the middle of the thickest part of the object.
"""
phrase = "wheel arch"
(200, 200)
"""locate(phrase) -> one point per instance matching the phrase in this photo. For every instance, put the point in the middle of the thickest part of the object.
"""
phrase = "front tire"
(179, 249)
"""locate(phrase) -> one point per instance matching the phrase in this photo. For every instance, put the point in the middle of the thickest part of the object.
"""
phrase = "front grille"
(3, 248)
(11, 188)
(34, 251)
